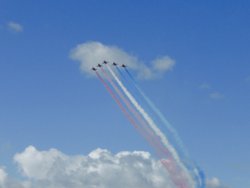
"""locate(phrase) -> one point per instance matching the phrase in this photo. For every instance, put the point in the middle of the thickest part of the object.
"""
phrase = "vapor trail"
(158, 133)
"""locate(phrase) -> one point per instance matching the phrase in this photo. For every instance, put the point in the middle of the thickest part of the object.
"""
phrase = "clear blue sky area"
(47, 102)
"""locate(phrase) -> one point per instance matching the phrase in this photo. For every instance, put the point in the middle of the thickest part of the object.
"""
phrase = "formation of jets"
(105, 62)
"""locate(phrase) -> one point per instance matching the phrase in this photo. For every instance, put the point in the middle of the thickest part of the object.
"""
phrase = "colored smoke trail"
(179, 174)
(169, 127)
(120, 94)
(198, 174)
(144, 129)
(127, 115)
(200, 177)
(143, 113)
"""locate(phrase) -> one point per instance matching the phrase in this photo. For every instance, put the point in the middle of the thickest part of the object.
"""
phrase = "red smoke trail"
(128, 116)
(142, 131)
(179, 175)
(145, 131)
(117, 101)
(170, 166)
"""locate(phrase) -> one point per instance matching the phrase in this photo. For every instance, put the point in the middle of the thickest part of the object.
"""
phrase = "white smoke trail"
(154, 127)
(160, 115)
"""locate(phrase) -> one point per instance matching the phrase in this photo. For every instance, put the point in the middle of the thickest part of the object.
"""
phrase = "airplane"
(114, 64)
(105, 62)
(99, 65)
(123, 65)
(93, 68)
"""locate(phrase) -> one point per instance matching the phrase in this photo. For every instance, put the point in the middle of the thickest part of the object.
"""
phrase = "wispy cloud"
(216, 95)
(213, 94)
(89, 54)
(248, 79)
(15, 27)
(205, 86)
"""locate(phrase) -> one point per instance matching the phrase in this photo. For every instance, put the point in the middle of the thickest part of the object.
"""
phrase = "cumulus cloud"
(89, 54)
(15, 27)
(98, 169)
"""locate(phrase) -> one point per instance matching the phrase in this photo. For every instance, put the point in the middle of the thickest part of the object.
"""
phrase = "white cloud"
(37, 164)
(3, 176)
(89, 54)
(99, 169)
(216, 95)
(214, 183)
(163, 64)
(15, 27)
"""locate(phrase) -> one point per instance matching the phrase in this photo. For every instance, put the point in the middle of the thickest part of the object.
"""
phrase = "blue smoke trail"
(202, 178)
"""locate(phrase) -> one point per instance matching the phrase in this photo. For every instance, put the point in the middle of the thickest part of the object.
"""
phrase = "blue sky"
(47, 102)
